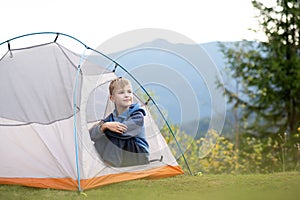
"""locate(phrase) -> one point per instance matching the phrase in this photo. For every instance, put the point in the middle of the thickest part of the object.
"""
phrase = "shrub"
(216, 154)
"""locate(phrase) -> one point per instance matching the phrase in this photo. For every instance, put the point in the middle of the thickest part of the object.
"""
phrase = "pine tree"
(269, 71)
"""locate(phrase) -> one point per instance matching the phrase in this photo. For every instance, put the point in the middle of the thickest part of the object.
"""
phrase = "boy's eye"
(124, 91)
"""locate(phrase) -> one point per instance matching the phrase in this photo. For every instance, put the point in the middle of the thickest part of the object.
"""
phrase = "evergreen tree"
(269, 72)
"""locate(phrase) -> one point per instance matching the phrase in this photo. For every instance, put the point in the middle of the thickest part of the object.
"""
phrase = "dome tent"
(50, 97)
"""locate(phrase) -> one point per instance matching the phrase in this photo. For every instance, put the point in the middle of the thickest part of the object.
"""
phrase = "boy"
(120, 138)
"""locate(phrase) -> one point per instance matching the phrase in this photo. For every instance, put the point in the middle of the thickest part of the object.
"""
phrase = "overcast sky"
(95, 21)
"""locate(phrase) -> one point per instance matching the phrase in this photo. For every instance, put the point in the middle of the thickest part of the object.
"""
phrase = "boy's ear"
(111, 98)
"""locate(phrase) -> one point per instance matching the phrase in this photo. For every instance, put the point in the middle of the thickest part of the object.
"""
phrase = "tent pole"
(75, 122)
(75, 131)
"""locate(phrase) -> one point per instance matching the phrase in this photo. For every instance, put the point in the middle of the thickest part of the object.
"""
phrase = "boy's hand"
(114, 126)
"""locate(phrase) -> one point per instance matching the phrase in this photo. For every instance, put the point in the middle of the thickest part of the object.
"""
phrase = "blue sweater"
(133, 140)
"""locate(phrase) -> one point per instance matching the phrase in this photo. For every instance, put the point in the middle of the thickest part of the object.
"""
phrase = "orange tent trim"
(71, 184)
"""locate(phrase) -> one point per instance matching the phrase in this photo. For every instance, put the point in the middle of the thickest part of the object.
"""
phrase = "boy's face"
(122, 97)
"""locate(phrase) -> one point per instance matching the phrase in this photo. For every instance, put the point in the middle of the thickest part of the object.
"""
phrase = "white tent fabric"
(37, 124)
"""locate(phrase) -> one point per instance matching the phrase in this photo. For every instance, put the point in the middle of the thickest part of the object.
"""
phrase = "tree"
(236, 55)
(269, 71)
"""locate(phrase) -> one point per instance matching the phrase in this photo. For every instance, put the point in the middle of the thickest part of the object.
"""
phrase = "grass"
(276, 186)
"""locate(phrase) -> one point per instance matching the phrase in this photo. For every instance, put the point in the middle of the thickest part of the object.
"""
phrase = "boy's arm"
(134, 124)
(95, 131)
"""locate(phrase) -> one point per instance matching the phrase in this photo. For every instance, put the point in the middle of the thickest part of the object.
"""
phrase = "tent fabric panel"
(95, 96)
(71, 184)
(37, 150)
(91, 165)
(157, 144)
(32, 79)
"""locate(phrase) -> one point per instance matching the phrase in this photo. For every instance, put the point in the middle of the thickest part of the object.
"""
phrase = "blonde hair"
(118, 83)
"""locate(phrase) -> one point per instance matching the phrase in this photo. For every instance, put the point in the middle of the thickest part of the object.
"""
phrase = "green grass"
(276, 186)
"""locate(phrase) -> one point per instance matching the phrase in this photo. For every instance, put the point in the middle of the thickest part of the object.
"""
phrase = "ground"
(275, 186)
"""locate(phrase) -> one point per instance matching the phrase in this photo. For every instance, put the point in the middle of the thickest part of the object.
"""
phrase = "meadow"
(276, 186)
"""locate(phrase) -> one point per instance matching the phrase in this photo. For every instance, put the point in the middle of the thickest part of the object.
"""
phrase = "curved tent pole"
(116, 65)
(41, 33)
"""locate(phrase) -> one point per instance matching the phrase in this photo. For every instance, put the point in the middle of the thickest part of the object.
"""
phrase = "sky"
(96, 21)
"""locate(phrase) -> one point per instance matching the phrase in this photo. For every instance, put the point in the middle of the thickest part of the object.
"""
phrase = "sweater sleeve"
(95, 132)
(135, 124)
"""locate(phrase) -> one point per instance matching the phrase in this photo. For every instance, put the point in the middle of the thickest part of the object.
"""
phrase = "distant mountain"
(183, 79)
